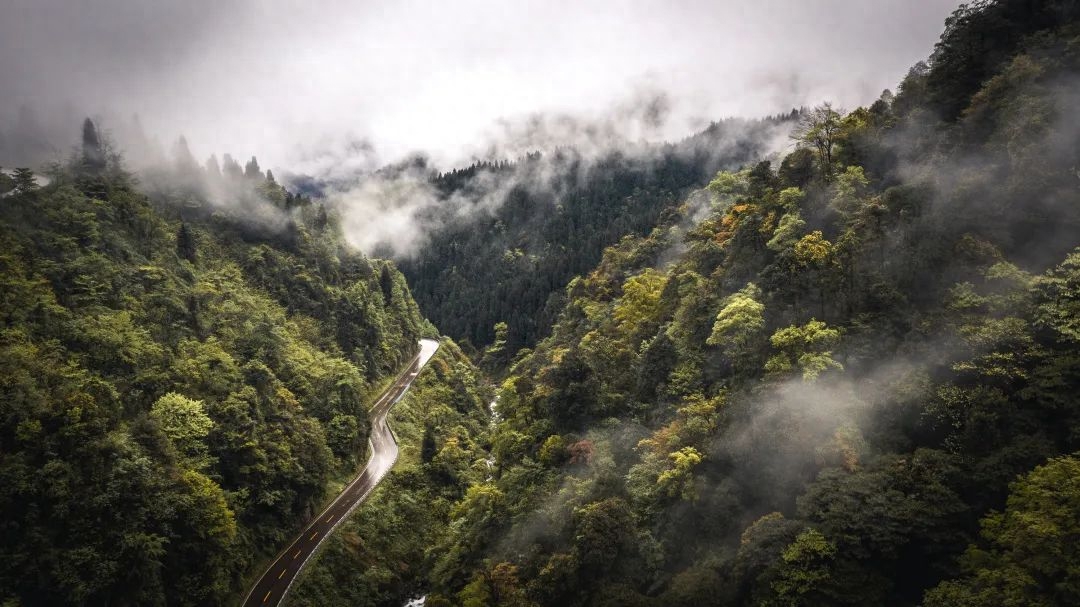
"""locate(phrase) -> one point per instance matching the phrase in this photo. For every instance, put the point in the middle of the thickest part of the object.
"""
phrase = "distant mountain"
(511, 234)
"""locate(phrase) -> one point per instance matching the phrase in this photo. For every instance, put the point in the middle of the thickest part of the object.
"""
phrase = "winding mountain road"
(275, 582)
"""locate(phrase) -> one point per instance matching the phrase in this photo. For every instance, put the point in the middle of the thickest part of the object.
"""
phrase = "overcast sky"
(291, 80)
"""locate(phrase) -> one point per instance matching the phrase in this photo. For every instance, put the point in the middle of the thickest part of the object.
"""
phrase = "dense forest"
(178, 384)
(382, 556)
(548, 217)
(845, 377)
(690, 374)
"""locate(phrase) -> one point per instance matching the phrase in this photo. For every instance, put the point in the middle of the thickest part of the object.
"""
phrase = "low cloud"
(283, 80)
(393, 211)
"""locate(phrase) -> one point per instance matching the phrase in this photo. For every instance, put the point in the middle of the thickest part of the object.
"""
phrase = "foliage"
(806, 386)
(384, 553)
(176, 393)
(806, 348)
(179, 387)
(1029, 553)
(533, 224)
(820, 131)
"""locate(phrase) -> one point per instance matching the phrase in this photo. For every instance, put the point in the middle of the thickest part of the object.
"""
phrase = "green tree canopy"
(1030, 551)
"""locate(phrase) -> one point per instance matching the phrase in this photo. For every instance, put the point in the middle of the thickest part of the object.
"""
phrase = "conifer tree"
(386, 282)
(185, 243)
(185, 161)
(251, 169)
(230, 167)
(93, 151)
(428, 447)
(24, 180)
(6, 182)
(213, 169)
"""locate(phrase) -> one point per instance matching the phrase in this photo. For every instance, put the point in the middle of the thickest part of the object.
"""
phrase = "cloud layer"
(289, 81)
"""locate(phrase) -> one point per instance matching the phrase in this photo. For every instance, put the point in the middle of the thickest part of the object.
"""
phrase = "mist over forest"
(735, 304)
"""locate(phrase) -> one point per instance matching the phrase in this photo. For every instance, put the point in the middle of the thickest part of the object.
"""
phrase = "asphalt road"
(275, 582)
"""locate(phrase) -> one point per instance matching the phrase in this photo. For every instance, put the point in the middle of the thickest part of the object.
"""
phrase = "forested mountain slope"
(383, 555)
(542, 220)
(847, 380)
(845, 377)
(178, 383)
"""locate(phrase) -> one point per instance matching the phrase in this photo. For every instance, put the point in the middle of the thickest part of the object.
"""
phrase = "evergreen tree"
(93, 151)
(386, 283)
(185, 161)
(185, 243)
(428, 447)
(251, 169)
(7, 184)
(24, 180)
(230, 167)
(213, 169)
(322, 219)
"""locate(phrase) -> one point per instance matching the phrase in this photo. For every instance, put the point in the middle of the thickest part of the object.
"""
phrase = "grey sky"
(291, 80)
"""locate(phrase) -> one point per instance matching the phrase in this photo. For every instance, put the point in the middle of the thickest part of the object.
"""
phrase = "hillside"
(530, 226)
(845, 380)
(178, 387)
(704, 372)
(383, 555)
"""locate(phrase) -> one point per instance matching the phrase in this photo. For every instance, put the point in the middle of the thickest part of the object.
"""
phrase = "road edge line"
(360, 501)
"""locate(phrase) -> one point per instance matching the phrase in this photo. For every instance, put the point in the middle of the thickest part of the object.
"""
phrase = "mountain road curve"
(275, 582)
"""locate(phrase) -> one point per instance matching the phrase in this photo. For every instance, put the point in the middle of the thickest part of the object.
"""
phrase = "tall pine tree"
(93, 151)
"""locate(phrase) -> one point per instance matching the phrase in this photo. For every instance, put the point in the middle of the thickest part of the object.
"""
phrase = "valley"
(818, 356)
